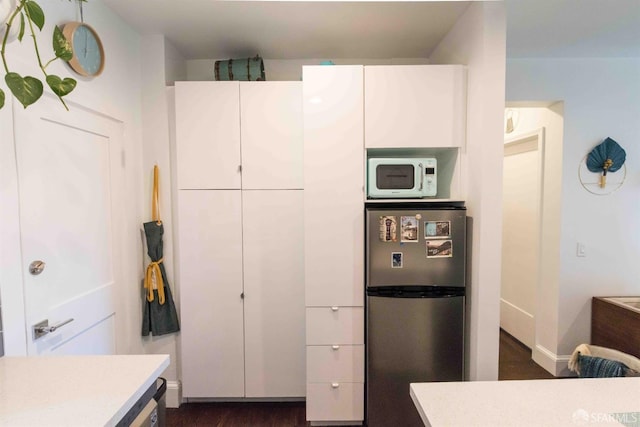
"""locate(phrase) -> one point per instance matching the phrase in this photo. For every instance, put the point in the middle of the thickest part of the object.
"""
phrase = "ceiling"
(573, 28)
(213, 29)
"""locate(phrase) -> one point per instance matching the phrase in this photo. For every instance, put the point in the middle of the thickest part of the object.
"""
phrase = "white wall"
(116, 94)
(478, 40)
(601, 99)
(162, 64)
(290, 70)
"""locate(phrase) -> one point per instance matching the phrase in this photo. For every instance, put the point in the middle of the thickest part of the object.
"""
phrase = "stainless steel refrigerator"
(415, 304)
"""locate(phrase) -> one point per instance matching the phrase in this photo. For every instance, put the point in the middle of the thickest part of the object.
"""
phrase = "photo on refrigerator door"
(439, 248)
(396, 259)
(388, 226)
(437, 229)
(409, 229)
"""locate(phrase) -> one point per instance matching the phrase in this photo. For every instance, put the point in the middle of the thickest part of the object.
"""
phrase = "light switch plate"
(581, 250)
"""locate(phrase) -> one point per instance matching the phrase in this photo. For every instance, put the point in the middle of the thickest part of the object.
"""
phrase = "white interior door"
(67, 163)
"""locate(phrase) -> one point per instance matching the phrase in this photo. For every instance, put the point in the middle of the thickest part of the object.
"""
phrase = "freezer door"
(416, 247)
(409, 340)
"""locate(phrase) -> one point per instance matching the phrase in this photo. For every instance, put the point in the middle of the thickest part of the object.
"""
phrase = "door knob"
(36, 267)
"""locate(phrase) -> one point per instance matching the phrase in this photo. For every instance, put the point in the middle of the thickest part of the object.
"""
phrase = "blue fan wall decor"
(607, 156)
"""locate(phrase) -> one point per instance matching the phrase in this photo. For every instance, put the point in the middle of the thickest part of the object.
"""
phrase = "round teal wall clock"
(88, 53)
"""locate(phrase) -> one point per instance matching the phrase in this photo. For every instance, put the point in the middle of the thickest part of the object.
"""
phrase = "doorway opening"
(531, 227)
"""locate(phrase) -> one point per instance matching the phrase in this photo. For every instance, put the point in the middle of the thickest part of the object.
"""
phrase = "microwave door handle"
(421, 176)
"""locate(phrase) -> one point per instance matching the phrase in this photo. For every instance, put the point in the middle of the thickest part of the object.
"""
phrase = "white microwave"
(401, 178)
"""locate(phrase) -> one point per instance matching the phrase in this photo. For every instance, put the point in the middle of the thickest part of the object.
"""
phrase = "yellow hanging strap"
(155, 205)
(153, 269)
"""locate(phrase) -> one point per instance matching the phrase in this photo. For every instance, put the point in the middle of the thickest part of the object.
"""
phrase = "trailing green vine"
(29, 89)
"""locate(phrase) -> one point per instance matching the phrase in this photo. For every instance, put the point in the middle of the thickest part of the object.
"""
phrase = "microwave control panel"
(430, 180)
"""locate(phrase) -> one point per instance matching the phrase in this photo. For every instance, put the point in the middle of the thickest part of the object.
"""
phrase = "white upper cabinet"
(271, 134)
(208, 132)
(415, 106)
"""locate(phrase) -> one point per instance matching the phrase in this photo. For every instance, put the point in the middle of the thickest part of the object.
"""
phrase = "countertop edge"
(423, 416)
(164, 364)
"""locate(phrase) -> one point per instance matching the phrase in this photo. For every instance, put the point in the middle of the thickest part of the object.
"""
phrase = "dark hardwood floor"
(514, 364)
(238, 414)
(515, 361)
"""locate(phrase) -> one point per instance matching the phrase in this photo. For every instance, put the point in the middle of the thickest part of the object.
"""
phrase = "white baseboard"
(554, 364)
(517, 322)
(174, 394)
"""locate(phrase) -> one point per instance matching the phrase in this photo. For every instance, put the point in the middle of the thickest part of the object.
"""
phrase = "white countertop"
(549, 403)
(74, 390)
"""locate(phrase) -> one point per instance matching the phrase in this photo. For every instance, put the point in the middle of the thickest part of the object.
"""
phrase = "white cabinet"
(415, 106)
(334, 242)
(210, 239)
(274, 293)
(234, 135)
(271, 130)
(334, 185)
(335, 363)
(335, 402)
(240, 253)
(335, 325)
(208, 135)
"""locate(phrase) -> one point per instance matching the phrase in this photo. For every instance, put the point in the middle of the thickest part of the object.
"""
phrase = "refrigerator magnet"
(437, 229)
(409, 229)
(439, 249)
(388, 226)
(396, 259)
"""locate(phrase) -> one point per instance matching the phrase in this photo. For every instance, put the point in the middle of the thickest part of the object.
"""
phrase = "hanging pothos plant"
(29, 89)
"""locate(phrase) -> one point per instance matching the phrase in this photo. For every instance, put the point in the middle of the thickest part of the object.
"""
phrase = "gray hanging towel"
(159, 313)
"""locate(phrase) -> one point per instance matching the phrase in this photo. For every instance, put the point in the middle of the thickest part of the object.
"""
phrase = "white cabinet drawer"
(335, 402)
(335, 363)
(335, 325)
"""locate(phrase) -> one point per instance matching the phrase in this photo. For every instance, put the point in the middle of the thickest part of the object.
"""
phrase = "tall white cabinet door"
(415, 106)
(274, 293)
(208, 135)
(210, 248)
(271, 129)
(333, 185)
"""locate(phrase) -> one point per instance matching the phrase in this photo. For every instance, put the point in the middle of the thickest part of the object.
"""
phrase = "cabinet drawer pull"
(334, 308)
(335, 385)
(335, 347)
